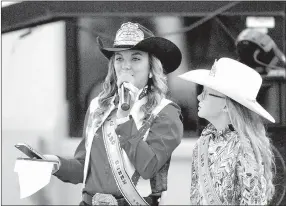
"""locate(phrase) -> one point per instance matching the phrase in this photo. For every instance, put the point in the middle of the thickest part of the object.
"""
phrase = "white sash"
(205, 180)
(118, 159)
(90, 135)
(113, 150)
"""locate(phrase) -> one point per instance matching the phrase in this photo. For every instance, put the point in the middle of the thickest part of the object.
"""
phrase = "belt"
(105, 199)
(152, 200)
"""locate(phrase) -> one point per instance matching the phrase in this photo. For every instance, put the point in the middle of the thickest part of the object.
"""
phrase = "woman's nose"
(199, 97)
(126, 65)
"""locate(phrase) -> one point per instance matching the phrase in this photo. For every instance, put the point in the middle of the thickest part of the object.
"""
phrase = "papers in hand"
(33, 175)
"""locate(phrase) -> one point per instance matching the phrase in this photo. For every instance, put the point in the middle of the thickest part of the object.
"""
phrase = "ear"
(150, 75)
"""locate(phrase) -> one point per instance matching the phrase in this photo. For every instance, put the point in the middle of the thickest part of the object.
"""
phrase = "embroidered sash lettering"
(114, 154)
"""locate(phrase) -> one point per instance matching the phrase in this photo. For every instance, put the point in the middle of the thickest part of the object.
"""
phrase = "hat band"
(129, 41)
(123, 46)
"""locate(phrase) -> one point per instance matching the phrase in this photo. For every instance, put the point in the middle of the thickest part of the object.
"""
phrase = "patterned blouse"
(234, 171)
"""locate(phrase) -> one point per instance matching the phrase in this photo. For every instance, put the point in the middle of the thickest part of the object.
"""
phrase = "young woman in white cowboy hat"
(232, 160)
(125, 152)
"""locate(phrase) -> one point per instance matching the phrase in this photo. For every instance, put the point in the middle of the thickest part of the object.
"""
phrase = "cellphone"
(29, 151)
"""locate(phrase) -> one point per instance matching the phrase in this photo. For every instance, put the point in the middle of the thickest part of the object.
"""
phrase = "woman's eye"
(118, 58)
(135, 58)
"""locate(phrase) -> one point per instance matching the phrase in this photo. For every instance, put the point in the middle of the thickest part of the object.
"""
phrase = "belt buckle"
(104, 199)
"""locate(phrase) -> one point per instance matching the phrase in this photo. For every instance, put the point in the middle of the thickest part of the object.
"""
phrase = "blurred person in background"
(232, 160)
(125, 153)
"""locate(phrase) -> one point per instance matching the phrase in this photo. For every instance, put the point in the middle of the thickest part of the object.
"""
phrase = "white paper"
(33, 176)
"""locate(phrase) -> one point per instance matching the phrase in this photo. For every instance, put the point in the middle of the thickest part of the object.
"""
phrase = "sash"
(114, 156)
(90, 135)
(205, 180)
(115, 159)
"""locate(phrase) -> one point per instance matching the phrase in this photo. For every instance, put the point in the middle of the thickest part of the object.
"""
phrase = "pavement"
(179, 177)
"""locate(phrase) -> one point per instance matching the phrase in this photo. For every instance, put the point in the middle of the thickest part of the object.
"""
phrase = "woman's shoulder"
(246, 156)
(245, 146)
(169, 114)
(93, 103)
(229, 138)
(169, 107)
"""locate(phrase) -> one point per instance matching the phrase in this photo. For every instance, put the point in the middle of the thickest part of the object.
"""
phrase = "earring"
(149, 83)
(225, 109)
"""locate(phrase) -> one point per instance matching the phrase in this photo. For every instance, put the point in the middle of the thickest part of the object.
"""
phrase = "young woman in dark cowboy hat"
(232, 160)
(125, 153)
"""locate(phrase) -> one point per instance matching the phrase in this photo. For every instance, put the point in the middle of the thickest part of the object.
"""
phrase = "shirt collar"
(135, 112)
(210, 129)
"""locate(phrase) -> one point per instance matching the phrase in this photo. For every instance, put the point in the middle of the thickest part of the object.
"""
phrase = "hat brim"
(202, 77)
(166, 51)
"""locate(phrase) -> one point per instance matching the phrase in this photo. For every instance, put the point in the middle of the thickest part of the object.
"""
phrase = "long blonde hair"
(157, 88)
(249, 126)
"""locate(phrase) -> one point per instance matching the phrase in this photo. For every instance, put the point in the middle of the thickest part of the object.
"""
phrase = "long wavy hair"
(249, 126)
(157, 88)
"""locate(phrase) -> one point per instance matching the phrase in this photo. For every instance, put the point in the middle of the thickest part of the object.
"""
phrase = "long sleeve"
(251, 182)
(71, 170)
(164, 136)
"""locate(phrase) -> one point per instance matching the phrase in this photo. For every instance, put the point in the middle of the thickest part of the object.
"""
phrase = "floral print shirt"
(234, 171)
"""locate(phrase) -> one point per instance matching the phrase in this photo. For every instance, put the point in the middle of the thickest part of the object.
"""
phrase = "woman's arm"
(164, 136)
(71, 170)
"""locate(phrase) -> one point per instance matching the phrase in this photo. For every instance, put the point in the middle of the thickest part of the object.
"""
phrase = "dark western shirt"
(147, 157)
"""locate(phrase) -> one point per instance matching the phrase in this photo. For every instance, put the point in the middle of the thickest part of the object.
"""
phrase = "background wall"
(34, 107)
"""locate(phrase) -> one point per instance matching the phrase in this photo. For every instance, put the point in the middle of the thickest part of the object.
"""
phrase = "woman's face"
(211, 104)
(132, 66)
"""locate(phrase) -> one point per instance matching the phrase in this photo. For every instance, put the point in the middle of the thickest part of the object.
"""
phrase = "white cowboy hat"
(233, 79)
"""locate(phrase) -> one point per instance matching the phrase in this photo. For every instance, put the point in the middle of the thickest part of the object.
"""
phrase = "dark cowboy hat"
(136, 37)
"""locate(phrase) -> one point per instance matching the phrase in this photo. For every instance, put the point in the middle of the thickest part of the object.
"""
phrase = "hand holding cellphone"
(29, 151)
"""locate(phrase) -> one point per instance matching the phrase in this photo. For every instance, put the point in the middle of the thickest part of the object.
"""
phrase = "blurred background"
(52, 68)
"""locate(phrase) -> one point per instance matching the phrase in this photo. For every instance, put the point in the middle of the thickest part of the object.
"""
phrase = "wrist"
(57, 161)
